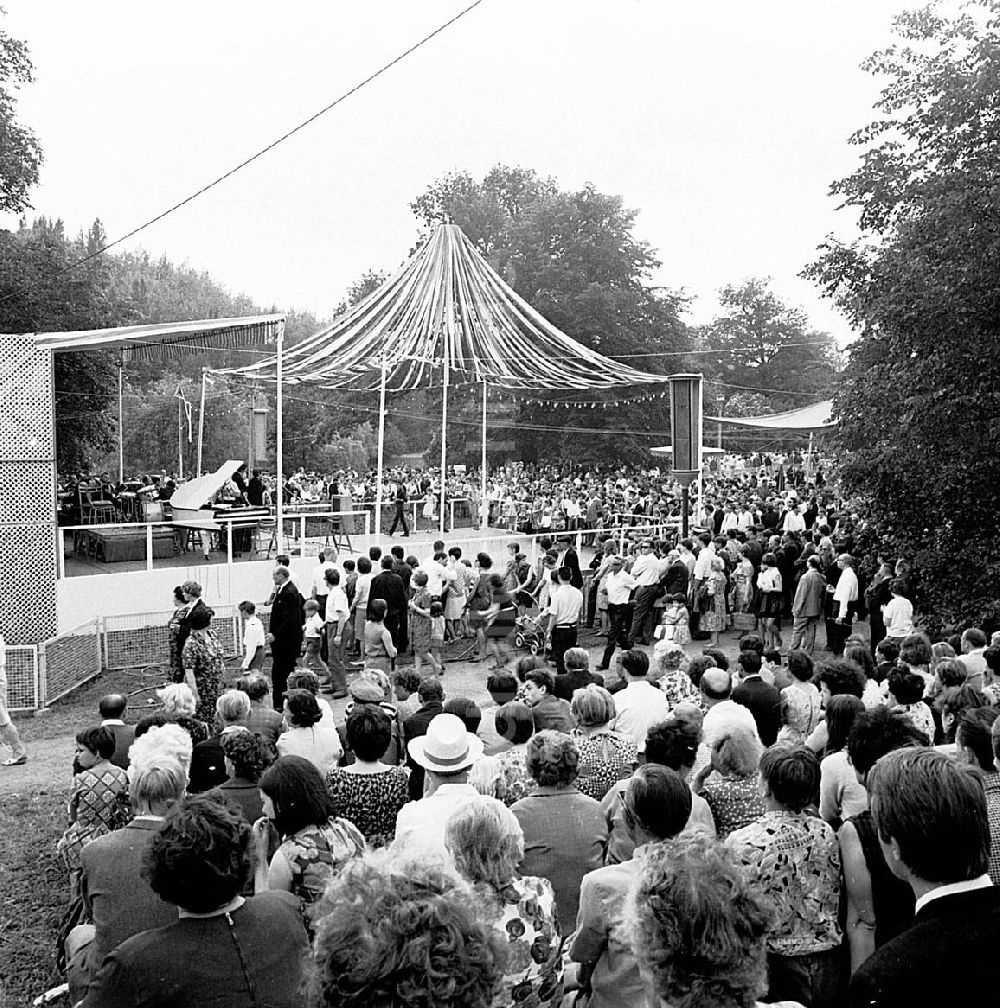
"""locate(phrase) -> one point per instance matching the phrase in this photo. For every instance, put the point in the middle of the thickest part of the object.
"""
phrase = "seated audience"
(605, 756)
(699, 926)
(547, 710)
(657, 805)
(232, 711)
(485, 841)
(399, 931)
(112, 709)
(315, 843)
(445, 754)
(514, 723)
(792, 858)
(836, 677)
(906, 691)
(722, 713)
(307, 735)
(729, 783)
(222, 950)
(368, 792)
(178, 700)
(431, 695)
(931, 817)
(245, 760)
(841, 794)
(640, 704)
(116, 895)
(674, 681)
(564, 831)
(577, 675)
(760, 698)
(502, 688)
(264, 720)
(801, 705)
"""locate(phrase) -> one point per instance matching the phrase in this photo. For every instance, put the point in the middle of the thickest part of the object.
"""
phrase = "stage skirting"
(117, 545)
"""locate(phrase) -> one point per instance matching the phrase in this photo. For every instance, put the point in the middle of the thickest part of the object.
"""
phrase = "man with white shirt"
(317, 580)
(646, 570)
(446, 752)
(359, 607)
(254, 644)
(702, 570)
(335, 618)
(618, 584)
(845, 594)
(973, 657)
(564, 606)
(930, 816)
(794, 522)
(640, 704)
(723, 713)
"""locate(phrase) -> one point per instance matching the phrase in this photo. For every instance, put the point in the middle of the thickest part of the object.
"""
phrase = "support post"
(484, 504)
(381, 449)
(444, 440)
(201, 420)
(685, 494)
(180, 438)
(121, 426)
(279, 458)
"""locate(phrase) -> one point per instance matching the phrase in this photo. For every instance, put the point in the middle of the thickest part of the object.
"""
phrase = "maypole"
(484, 504)
(381, 443)
(121, 427)
(279, 458)
(444, 438)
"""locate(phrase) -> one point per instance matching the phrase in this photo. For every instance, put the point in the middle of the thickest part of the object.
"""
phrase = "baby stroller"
(529, 633)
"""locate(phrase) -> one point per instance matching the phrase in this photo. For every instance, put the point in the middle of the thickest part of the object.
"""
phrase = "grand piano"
(195, 508)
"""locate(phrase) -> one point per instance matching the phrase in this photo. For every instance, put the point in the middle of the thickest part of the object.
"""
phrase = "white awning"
(815, 417)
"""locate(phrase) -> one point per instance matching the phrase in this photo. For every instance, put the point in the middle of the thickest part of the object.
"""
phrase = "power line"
(264, 150)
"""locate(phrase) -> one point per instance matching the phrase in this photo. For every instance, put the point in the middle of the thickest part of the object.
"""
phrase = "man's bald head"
(716, 684)
(112, 706)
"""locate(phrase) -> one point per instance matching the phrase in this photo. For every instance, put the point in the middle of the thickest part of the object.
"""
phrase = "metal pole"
(684, 510)
(121, 428)
(484, 504)
(444, 439)
(381, 449)
(279, 458)
(201, 419)
(180, 439)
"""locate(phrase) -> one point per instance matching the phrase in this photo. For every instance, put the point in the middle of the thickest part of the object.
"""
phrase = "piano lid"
(198, 493)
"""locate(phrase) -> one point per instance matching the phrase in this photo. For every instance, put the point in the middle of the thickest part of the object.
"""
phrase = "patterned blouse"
(524, 915)
(794, 859)
(920, 717)
(678, 688)
(98, 805)
(315, 854)
(203, 656)
(735, 801)
(802, 711)
(605, 757)
(370, 801)
(516, 784)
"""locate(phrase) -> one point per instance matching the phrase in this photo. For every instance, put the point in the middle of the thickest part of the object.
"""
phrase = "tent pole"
(381, 449)
(484, 504)
(180, 436)
(279, 459)
(201, 419)
(121, 427)
(444, 440)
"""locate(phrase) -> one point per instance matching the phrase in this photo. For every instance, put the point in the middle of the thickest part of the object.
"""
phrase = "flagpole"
(484, 504)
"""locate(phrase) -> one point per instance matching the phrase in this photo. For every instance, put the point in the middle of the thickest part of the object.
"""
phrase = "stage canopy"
(445, 317)
(818, 416)
(151, 341)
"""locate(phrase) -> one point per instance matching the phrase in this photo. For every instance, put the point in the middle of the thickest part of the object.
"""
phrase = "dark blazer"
(124, 737)
(404, 572)
(675, 579)
(567, 682)
(119, 898)
(944, 958)
(208, 765)
(764, 702)
(413, 727)
(287, 618)
(388, 586)
(265, 722)
(553, 712)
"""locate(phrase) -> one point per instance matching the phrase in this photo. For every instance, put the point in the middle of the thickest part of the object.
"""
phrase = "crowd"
(659, 826)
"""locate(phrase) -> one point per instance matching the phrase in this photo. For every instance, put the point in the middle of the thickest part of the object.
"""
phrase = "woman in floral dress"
(315, 843)
(514, 722)
(204, 664)
(729, 782)
(487, 844)
(174, 636)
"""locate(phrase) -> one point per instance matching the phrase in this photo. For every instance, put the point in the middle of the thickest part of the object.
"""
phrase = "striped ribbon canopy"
(445, 315)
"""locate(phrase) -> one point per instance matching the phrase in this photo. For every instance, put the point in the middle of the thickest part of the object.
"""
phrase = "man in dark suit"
(389, 586)
(931, 816)
(119, 900)
(577, 674)
(675, 578)
(759, 697)
(286, 632)
(112, 709)
(401, 567)
(431, 694)
(262, 721)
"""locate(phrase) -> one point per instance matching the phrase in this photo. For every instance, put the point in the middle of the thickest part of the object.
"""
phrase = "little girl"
(314, 630)
(676, 621)
(437, 635)
(379, 648)
(99, 803)
(421, 624)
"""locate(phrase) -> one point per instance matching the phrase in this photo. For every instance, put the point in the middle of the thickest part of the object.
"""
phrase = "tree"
(573, 257)
(20, 152)
(920, 408)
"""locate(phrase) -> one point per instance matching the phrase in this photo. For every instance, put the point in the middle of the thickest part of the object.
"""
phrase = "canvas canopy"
(815, 417)
(446, 317)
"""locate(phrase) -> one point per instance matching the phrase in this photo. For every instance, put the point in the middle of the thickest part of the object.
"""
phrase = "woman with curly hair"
(309, 735)
(605, 756)
(246, 758)
(487, 844)
(394, 933)
(203, 661)
(698, 926)
(222, 950)
(316, 844)
(729, 781)
(565, 832)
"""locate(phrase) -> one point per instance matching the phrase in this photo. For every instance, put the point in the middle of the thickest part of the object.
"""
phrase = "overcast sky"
(723, 123)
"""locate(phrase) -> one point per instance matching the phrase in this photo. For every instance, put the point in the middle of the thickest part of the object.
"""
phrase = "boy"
(253, 638)
(314, 630)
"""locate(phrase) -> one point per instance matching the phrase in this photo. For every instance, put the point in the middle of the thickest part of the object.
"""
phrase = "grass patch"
(34, 894)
